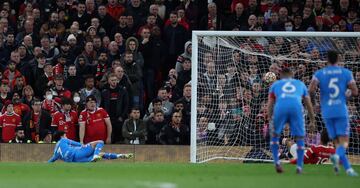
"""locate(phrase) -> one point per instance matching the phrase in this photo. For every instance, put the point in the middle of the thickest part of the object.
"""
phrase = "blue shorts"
(294, 118)
(84, 154)
(337, 127)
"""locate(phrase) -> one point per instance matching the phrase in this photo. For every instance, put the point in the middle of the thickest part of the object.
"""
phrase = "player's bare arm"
(109, 130)
(81, 132)
(311, 113)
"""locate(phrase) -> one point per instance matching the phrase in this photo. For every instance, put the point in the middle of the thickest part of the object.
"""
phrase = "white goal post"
(229, 93)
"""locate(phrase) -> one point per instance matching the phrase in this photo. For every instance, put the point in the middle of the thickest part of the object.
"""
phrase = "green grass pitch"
(138, 175)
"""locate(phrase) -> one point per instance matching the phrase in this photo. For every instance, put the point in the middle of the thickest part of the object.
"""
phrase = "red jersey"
(317, 154)
(21, 109)
(50, 105)
(95, 127)
(58, 69)
(8, 123)
(66, 122)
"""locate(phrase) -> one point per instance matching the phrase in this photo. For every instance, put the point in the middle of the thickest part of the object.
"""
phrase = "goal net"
(229, 93)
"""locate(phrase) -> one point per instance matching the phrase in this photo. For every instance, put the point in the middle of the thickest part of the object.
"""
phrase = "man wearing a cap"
(66, 119)
(8, 123)
(94, 123)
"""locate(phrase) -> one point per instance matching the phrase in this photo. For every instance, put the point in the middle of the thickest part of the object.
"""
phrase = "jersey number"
(333, 85)
(288, 88)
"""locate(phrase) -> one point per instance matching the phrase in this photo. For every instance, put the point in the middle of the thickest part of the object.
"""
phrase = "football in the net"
(269, 77)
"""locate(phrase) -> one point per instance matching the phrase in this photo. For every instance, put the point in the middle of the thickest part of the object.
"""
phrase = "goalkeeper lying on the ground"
(71, 151)
(316, 154)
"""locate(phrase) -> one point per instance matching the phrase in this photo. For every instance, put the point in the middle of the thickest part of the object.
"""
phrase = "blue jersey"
(333, 82)
(65, 150)
(288, 93)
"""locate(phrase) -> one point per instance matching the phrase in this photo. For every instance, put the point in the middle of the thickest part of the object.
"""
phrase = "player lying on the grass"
(316, 154)
(285, 103)
(336, 84)
(71, 151)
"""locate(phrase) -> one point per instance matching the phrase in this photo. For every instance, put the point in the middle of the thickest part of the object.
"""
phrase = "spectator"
(53, 22)
(184, 75)
(73, 81)
(181, 58)
(137, 10)
(66, 120)
(175, 133)
(49, 104)
(90, 90)
(104, 80)
(212, 21)
(133, 71)
(9, 121)
(19, 136)
(122, 27)
(20, 108)
(154, 126)
(58, 90)
(175, 36)
(80, 16)
(115, 100)
(94, 123)
(153, 49)
(167, 106)
(114, 9)
(238, 18)
(27, 95)
(37, 122)
(157, 106)
(134, 130)
(132, 45)
(106, 20)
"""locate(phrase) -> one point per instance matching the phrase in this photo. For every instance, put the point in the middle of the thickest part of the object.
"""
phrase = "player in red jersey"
(66, 119)
(94, 123)
(8, 123)
(316, 154)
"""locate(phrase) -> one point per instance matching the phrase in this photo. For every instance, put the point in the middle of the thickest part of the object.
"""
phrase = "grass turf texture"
(99, 175)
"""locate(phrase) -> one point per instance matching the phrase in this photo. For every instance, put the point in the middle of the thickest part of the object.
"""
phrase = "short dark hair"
(332, 56)
(135, 108)
(156, 100)
(57, 135)
(89, 76)
(324, 137)
(21, 128)
(35, 100)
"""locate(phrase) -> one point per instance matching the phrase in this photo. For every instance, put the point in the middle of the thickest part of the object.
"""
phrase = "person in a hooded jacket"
(183, 56)
(83, 67)
(134, 73)
(132, 44)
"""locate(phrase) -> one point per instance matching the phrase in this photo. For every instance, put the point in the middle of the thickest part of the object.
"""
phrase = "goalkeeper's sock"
(300, 153)
(341, 152)
(98, 148)
(110, 156)
(275, 149)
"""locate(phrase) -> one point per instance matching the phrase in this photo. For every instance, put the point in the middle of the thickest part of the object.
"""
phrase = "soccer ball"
(269, 77)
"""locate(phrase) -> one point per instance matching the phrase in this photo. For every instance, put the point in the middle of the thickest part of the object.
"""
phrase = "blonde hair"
(27, 87)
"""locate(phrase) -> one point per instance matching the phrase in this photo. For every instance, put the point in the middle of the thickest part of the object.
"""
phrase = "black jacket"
(122, 103)
(44, 124)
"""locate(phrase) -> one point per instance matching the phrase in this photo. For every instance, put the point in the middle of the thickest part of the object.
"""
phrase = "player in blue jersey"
(336, 84)
(285, 106)
(71, 151)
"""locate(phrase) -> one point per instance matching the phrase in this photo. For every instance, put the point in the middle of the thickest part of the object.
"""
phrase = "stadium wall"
(143, 153)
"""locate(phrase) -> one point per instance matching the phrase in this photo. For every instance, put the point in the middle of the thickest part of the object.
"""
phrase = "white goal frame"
(194, 74)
